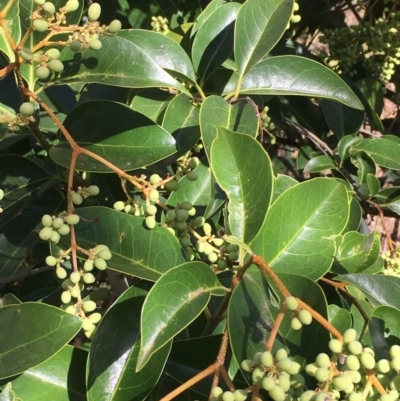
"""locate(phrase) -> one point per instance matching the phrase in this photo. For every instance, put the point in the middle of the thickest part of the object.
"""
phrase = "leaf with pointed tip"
(319, 163)
(259, 27)
(115, 132)
(213, 42)
(164, 51)
(50, 329)
(135, 68)
(294, 75)
(246, 178)
(215, 111)
(298, 234)
(135, 250)
(176, 299)
(203, 17)
(111, 368)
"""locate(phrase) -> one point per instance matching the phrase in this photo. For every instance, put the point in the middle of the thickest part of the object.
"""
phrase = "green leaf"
(135, 250)
(391, 317)
(365, 165)
(357, 252)
(177, 298)
(115, 132)
(300, 227)
(181, 120)
(213, 42)
(294, 75)
(38, 332)
(379, 289)
(203, 17)
(151, 102)
(383, 151)
(373, 184)
(164, 51)
(345, 145)
(111, 368)
(319, 163)
(12, 21)
(252, 312)
(390, 198)
(204, 193)
(258, 28)
(135, 67)
(7, 115)
(247, 181)
(61, 378)
(215, 111)
(340, 318)
(281, 184)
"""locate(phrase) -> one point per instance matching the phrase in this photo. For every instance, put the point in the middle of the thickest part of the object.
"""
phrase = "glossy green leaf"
(365, 165)
(258, 28)
(164, 51)
(50, 329)
(213, 42)
(136, 250)
(114, 352)
(383, 151)
(391, 317)
(177, 298)
(252, 312)
(202, 18)
(357, 252)
(115, 132)
(390, 198)
(340, 318)
(204, 193)
(181, 120)
(281, 184)
(378, 288)
(215, 111)
(345, 145)
(247, 181)
(300, 227)
(135, 67)
(294, 75)
(61, 378)
(12, 21)
(373, 184)
(319, 163)
(7, 394)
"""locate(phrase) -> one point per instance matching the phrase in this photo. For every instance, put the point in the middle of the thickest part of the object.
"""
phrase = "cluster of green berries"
(374, 47)
(160, 24)
(220, 395)
(1, 197)
(46, 17)
(83, 193)
(299, 317)
(295, 18)
(267, 124)
(55, 226)
(392, 263)
(177, 219)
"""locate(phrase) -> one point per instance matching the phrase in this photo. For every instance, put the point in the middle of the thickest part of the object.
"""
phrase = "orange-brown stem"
(376, 383)
(227, 379)
(219, 363)
(71, 208)
(275, 328)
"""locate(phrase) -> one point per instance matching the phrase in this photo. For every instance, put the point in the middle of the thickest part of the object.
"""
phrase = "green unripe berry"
(105, 254)
(367, 360)
(88, 265)
(75, 291)
(26, 54)
(40, 25)
(216, 392)
(90, 333)
(323, 360)
(95, 44)
(1, 194)
(72, 219)
(352, 363)
(47, 220)
(66, 284)
(88, 278)
(172, 185)
(87, 325)
(383, 366)
(342, 383)
(207, 229)
(57, 223)
(71, 309)
(284, 382)
(100, 263)
(311, 368)
(268, 383)
(267, 359)
(27, 109)
(207, 249)
(277, 394)
(89, 306)
(233, 256)
(75, 277)
(281, 353)
(151, 210)
(114, 27)
(39, 2)
(354, 375)
(119, 205)
(394, 351)
(64, 230)
(284, 364)
(291, 303)
(335, 346)
(354, 347)
(295, 324)
(186, 205)
(154, 195)
(98, 248)
(170, 215)
(51, 261)
(192, 176)
(53, 54)
(76, 46)
(185, 242)
(307, 395)
(154, 179)
(181, 225)
(55, 65)
(349, 335)
(305, 317)
(150, 222)
(95, 317)
(218, 241)
(65, 297)
(240, 395)
(228, 396)
(45, 233)
(395, 363)
(72, 5)
(55, 237)
(198, 221)
(76, 198)
(192, 211)
(212, 257)
(247, 365)
(61, 273)
(257, 358)
(258, 375)
(194, 162)
(295, 19)
(182, 215)
(93, 190)
(49, 8)
(42, 72)
(94, 11)
(294, 369)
